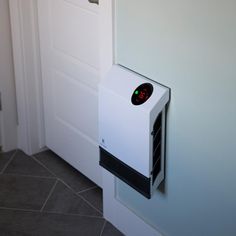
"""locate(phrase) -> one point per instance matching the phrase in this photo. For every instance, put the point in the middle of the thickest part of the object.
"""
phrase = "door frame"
(25, 33)
(26, 56)
(8, 114)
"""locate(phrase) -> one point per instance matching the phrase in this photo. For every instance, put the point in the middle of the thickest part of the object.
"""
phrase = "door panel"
(70, 68)
(80, 97)
(73, 68)
(75, 32)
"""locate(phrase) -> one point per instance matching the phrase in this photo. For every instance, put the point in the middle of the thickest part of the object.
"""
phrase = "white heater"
(132, 128)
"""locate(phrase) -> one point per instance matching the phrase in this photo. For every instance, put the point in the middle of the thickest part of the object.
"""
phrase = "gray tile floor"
(43, 195)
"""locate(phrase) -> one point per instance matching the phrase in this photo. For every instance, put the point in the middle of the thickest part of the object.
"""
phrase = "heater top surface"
(137, 90)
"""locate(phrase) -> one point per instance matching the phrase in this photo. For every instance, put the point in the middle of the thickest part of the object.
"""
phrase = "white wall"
(7, 86)
(188, 45)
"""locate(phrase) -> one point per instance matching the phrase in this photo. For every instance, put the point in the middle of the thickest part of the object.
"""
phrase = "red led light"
(142, 95)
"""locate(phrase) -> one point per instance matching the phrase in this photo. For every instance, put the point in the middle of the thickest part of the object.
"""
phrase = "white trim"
(24, 24)
(121, 216)
(106, 36)
(114, 211)
(8, 114)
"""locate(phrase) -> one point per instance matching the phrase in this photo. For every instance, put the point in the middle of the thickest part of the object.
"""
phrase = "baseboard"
(119, 215)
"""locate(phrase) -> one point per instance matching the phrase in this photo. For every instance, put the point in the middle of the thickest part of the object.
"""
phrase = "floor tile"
(110, 230)
(63, 200)
(26, 186)
(64, 171)
(94, 196)
(4, 158)
(24, 192)
(23, 164)
(19, 223)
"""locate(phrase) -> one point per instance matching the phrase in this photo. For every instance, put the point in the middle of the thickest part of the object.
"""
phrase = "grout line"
(88, 189)
(14, 153)
(102, 230)
(31, 176)
(49, 195)
(89, 203)
(18, 209)
(11, 158)
(39, 162)
(72, 214)
(81, 197)
(49, 212)
(69, 186)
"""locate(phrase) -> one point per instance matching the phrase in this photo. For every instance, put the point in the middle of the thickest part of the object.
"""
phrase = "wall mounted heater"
(132, 128)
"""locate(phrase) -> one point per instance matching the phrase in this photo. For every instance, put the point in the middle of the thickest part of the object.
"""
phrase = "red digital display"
(142, 93)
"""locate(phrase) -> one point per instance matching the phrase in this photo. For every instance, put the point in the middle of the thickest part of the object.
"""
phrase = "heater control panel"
(142, 93)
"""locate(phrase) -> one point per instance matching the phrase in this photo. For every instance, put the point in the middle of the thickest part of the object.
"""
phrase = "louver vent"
(157, 135)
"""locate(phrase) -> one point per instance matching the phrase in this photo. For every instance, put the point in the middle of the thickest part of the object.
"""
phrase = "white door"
(69, 41)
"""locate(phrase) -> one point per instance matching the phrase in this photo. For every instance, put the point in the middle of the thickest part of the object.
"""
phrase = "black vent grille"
(130, 176)
(157, 143)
